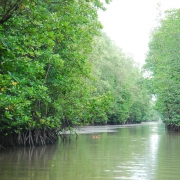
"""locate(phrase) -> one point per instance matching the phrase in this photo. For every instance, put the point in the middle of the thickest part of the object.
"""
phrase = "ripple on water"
(124, 177)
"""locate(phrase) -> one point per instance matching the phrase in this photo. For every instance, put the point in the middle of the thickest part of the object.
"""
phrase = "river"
(137, 152)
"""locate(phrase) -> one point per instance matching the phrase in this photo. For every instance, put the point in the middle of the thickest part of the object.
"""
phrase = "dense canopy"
(164, 66)
(58, 70)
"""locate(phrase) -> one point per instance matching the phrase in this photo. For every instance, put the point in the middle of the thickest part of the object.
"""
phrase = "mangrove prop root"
(1, 147)
(173, 127)
(31, 137)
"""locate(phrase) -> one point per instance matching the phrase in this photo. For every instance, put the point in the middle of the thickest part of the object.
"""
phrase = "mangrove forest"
(58, 70)
(163, 67)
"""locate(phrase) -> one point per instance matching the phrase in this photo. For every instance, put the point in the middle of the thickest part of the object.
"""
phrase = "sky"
(129, 23)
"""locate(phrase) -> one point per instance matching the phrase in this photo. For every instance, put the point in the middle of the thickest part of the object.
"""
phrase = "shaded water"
(137, 152)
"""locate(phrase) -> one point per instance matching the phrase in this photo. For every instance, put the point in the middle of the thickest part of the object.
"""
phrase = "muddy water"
(137, 152)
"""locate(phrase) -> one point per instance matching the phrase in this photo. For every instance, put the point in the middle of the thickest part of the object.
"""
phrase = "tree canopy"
(163, 63)
(58, 70)
(44, 46)
(119, 77)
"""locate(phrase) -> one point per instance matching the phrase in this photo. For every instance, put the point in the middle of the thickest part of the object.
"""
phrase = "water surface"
(137, 152)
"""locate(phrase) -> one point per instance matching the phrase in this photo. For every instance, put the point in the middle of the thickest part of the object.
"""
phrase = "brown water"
(137, 152)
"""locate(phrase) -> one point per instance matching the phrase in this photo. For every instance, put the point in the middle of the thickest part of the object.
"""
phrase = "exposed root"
(31, 137)
(1, 147)
(173, 127)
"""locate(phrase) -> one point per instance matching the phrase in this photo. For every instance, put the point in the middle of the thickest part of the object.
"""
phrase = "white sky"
(129, 23)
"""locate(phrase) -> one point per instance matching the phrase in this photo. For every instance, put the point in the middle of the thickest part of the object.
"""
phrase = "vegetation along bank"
(59, 70)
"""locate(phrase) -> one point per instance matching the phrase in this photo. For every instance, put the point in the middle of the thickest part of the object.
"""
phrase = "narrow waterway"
(138, 152)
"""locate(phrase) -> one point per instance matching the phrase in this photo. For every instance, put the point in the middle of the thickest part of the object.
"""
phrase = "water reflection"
(26, 163)
(142, 163)
(140, 152)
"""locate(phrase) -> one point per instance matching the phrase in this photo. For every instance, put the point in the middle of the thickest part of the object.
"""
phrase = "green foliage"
(118, 75)
(56, 72)
(163, 62)
(43, 53)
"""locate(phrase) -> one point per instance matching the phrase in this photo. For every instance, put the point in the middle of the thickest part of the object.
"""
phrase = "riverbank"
(103, 128)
